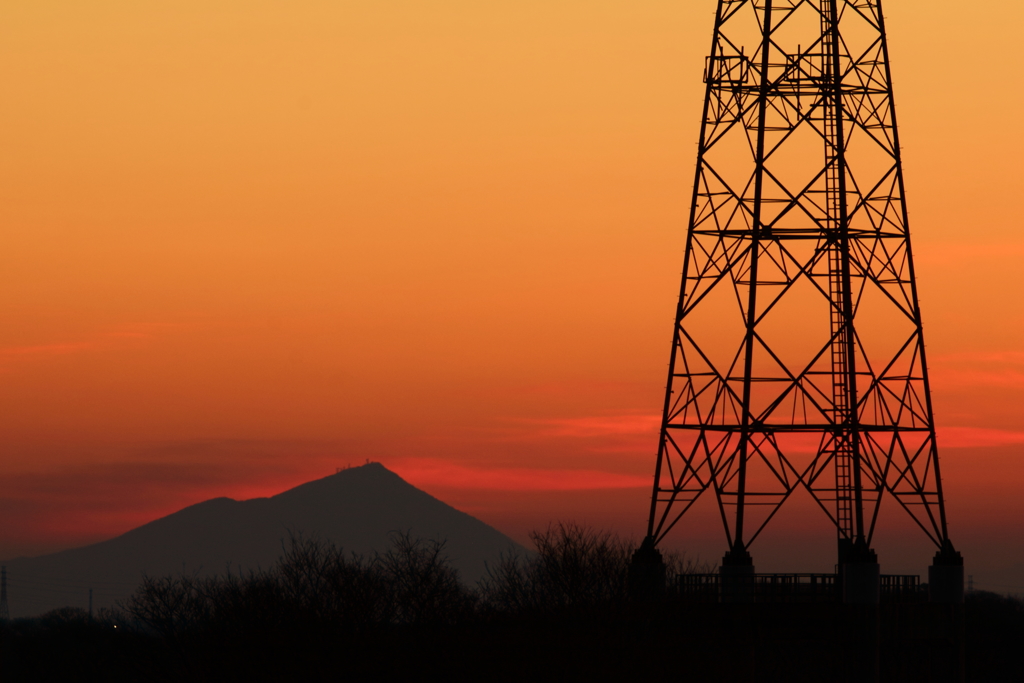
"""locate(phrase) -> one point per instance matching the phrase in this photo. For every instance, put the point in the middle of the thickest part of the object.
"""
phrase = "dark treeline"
(562, 612)
(317, 585)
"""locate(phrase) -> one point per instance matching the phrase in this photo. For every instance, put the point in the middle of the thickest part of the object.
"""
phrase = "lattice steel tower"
(798, 360)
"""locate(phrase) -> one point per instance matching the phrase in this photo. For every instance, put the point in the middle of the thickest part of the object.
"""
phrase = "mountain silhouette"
(357, 509)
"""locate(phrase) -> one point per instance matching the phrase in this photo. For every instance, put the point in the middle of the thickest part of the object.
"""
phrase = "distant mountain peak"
(356, 508)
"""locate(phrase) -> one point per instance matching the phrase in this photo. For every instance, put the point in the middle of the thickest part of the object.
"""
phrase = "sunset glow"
(246, 244)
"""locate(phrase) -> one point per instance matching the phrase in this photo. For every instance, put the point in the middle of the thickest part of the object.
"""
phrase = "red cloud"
(439, 473)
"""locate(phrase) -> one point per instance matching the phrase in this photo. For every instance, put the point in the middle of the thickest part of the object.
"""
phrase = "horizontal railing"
(903, 588)
(795, 587)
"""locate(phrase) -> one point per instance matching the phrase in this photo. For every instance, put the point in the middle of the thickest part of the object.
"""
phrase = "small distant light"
(115, 625)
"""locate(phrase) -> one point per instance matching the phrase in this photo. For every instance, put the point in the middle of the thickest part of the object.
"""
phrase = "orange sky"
(245, 243)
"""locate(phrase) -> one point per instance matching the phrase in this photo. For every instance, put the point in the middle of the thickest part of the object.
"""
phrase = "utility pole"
(5, 613)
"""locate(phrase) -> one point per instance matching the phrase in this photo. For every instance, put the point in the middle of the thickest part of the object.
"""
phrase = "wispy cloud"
(57, 349)
(977, 437)
(960, 253)
(440, 473)
(960, 377)
(63, 505)
(994, 368)
(1002, 357)
(608, 429)
(598, 426)
(104, 339)
(620, 433)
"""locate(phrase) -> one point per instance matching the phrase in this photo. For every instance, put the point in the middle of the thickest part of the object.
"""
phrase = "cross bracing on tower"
(798, 361)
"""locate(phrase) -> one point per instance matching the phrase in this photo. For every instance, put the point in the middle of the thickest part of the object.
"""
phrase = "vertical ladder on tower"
(842, 446)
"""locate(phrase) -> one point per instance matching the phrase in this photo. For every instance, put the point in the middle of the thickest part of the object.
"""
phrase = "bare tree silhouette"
(575, 567)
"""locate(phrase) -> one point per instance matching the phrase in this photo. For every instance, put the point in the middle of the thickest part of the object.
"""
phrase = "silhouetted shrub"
(425, 588)
(171, 604)
(314, 585)
(574, 567)
(323, 585)
(321, 615)
(64, 615)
